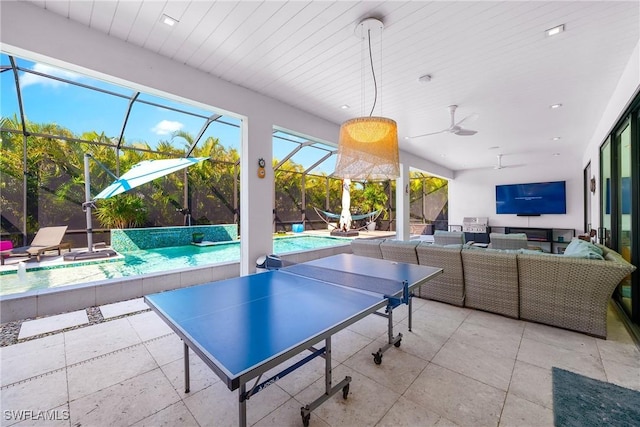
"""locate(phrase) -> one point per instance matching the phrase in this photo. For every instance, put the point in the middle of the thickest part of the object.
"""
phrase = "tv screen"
(531, 199)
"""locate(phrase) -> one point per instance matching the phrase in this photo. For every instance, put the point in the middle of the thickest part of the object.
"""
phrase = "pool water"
(150, 261)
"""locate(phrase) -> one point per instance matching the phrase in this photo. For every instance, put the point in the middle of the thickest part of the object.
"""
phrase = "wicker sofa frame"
(491, 281)
(556, 290)
(568, 292)
(449, 286)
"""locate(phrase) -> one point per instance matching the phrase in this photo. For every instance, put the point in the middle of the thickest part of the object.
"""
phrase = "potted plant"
(197, 237)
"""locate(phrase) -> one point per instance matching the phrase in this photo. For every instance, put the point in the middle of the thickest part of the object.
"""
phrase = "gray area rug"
(582, 401)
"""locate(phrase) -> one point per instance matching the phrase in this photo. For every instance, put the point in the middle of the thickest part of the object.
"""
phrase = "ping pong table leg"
(392, 340)
(410, 311)
(186, 368)
(242, 405)
(329, 391)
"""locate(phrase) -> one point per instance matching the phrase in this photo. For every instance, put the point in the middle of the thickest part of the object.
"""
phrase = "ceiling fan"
(499, 164)
(454, 128)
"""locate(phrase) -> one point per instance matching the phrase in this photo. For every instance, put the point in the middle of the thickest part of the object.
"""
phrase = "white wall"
(625, 92)
(472, 193)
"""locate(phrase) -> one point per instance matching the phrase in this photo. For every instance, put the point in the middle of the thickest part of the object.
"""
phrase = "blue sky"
(79, 109)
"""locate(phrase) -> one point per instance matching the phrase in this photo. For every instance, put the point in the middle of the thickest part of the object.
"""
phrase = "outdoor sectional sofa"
(557, 290)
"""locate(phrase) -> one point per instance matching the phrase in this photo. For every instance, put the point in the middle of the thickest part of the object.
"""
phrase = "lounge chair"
(46, 239)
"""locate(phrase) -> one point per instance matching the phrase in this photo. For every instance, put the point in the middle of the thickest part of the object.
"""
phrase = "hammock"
(372, 215)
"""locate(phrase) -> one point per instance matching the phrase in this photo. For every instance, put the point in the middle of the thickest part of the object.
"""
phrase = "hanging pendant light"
(368, 146)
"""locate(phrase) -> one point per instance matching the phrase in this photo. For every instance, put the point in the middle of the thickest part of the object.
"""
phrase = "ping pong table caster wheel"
(397, 343)
(345, 391)
(305, 417)
(377, 357)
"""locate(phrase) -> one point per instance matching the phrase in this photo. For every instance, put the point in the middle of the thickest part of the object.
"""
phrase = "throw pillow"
(581, 249)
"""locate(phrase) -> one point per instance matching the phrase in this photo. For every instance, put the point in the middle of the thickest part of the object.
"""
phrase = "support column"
(402, 203)
(256, 194)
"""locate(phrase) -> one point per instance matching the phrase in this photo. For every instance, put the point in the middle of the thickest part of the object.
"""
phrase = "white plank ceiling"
(492, 59)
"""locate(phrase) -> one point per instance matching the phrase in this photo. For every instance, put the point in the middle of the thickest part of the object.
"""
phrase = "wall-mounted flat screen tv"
(532, 199)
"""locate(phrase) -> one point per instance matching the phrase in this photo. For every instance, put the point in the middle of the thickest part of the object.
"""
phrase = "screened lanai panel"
(11, 160)
(317, 190)
(214, 195)
(308, 157)
(9, 99)
(52, 106)
(11, 188)
(55, 185)
(227, 131)
(93, 113)
(157, 121)
(288, 198)
(304, 153)
(163, 198)
(416, 200)
(282, 148)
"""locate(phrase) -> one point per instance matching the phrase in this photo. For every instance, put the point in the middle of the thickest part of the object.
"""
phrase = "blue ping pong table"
(245, 326)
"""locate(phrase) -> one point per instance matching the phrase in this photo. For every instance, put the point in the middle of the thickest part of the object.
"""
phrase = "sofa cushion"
(442, 237)
(367, 247)
(581, 249)
(400, 250)
(508, 241)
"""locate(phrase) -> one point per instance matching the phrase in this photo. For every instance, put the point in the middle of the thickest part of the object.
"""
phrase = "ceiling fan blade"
(470, 117)
(428, 134)
(465, 132)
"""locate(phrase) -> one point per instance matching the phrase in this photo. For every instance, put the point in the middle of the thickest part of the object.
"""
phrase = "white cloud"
(166, 127)
(28, 79)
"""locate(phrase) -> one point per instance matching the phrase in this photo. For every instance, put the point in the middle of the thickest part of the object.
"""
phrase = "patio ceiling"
(492, 59)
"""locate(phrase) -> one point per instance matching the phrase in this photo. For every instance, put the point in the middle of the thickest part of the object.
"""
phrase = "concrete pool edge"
(47, 302)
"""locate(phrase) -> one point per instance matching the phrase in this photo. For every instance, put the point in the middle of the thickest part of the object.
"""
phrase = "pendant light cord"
(373, 72)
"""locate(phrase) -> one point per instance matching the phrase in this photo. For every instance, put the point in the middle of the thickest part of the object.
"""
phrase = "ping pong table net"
(352, 280)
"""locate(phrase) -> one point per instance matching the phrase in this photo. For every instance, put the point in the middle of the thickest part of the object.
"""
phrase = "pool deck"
(47, 302)
(126, 368)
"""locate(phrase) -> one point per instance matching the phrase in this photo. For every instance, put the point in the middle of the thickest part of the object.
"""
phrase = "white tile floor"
(457, 367)
(31, 328)
(124, 307)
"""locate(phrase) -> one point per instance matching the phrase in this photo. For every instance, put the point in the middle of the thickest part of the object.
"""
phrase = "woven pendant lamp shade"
(368, 149)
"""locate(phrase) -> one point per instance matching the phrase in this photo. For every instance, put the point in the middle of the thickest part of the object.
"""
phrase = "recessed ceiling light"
(407, 137)
(555, 30)
(424, 79)
(556, 138)
(344, 107)
(495, 147)
(167, 20)
(443, 155)
(554, 106)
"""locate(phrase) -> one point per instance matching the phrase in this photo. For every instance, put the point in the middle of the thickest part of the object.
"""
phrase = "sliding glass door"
(623, 220)
(619, 226)
(604, 231)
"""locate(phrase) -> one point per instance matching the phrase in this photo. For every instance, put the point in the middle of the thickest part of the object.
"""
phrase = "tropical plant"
(122, 211)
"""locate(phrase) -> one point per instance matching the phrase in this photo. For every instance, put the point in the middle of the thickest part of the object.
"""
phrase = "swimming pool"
(150, 261)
